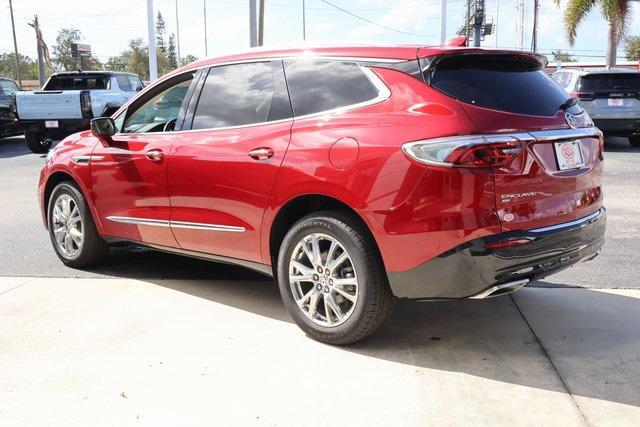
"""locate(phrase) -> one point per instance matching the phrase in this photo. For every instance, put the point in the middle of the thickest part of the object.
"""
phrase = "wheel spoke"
(300, 278)
(302, 269)
(305, 298)
(335, 263)
(307, 252)
(315, 247)
(330, 253)
(68, 244)
(346, 294)
(328, 300)
(327, 310)
(61, 237)
(313, 304)
(76, 235)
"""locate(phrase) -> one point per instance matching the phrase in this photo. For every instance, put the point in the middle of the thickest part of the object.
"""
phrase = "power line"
(373, 22)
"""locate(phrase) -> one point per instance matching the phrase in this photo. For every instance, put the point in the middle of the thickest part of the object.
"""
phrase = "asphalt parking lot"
(156, 339)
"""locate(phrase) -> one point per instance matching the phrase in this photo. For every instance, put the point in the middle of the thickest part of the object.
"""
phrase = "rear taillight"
(85, 104)
(13, 107)
(582, 96)
(475, 151)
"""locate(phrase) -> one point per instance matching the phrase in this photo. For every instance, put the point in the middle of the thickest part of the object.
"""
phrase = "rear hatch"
(44, 105)
(610, 95)
(555, 175)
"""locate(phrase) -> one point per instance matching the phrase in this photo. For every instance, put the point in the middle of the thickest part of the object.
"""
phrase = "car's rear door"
(221, 173)
(129, 174)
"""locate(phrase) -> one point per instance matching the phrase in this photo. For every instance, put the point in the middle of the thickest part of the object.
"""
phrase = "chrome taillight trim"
(463, 140)
(541, 135)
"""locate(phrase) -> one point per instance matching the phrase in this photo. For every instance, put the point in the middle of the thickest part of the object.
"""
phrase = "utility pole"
(15, 47)
(443, 22)
(466, 32)
(534, 36)
(478, 21)
(261, 23)
(304, 22)
(42, 73)
(177, 35)
(496, 24)
(520, 24)
(253, 40)
(153, 60)
(204, 11)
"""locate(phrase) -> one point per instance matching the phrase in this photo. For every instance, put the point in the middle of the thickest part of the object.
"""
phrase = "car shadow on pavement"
(488, 338)
(13, 146)
(618, 144)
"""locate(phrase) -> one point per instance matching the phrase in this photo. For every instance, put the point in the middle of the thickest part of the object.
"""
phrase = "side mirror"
(138, 88)
(103, 128)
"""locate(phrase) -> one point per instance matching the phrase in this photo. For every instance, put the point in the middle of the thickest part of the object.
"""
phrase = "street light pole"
(15, 47)
(204, 10)
(177, 35)
(443, 22)
(153, 60)
(253, 40)
(304, 22)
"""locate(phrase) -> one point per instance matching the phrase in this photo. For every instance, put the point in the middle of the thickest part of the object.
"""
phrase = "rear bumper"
(473, 270)
(65, 127)
(621, 127)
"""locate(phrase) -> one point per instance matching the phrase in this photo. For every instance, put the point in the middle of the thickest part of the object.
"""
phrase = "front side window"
(242, 94)
(317, 86)
(160, 112)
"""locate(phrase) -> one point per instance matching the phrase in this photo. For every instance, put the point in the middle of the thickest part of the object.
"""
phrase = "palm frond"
(575, 13)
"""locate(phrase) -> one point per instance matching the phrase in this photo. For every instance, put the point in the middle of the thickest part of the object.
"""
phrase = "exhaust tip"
(501, 289)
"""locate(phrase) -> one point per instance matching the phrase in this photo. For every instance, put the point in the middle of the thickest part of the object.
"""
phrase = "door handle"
(154, 155)
(262, 153)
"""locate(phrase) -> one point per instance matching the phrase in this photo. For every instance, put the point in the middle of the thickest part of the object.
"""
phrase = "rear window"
(317, 86)
(77, 82)
(609, 82)
(506, 83)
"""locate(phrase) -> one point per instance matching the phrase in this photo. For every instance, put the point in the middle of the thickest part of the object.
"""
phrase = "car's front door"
(129, 174)
(220, 177)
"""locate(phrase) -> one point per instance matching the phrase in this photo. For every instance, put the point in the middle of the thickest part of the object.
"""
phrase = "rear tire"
(634, 140)
(36, 142)
(363, 299)
(71, 228)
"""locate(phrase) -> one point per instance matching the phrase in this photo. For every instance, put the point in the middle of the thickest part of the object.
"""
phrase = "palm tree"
(616, 12)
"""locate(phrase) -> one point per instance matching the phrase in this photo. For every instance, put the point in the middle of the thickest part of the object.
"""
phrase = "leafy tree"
(62, 54)
(187, 60)
(161, 28)
(28, 67)
(632, 48)
(171, 52)
(616, 12)
(560, 56)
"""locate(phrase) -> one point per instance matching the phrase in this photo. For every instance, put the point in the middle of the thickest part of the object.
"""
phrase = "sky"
(108, 25)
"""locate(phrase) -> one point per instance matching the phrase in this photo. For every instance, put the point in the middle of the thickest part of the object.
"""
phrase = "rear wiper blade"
(570, 102)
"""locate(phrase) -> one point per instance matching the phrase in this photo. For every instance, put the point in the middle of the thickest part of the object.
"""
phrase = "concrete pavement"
(221, 352)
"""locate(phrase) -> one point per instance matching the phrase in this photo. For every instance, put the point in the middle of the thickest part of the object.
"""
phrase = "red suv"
(354, 176)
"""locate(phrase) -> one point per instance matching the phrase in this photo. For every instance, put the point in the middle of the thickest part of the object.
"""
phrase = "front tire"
(332, 280)
(36, 142)
(72, 230)
(634, 140)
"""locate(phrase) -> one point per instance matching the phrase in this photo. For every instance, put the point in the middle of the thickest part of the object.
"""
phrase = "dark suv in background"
(610, 96)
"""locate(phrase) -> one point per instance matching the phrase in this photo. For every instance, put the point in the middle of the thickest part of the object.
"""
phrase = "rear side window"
(317, 86)
(77, 82)
(506, 83)
(609, 82)
(242, 94)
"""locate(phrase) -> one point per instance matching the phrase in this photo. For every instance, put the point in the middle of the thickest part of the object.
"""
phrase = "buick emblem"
(571, 120)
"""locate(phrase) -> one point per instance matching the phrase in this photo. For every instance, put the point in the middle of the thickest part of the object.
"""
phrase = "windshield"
(7, 88)
(608, 82)
(69, 82)
(516, 84)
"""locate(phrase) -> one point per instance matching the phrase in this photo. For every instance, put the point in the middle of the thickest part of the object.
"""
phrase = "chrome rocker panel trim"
(176, 224)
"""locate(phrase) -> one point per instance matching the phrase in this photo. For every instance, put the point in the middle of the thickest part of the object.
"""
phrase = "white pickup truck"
(67, 103)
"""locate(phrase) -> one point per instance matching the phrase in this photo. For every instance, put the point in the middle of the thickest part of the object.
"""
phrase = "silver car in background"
(610, 96)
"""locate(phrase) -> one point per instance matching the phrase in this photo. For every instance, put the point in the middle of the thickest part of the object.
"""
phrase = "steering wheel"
(169, 126)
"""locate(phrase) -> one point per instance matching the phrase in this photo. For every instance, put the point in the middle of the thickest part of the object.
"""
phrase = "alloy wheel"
(323, 279)
(67, 226)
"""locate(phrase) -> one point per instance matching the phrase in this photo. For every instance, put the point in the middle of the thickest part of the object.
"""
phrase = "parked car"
(67, 103)
(353, 176)
(8, 123)
(610, 96)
